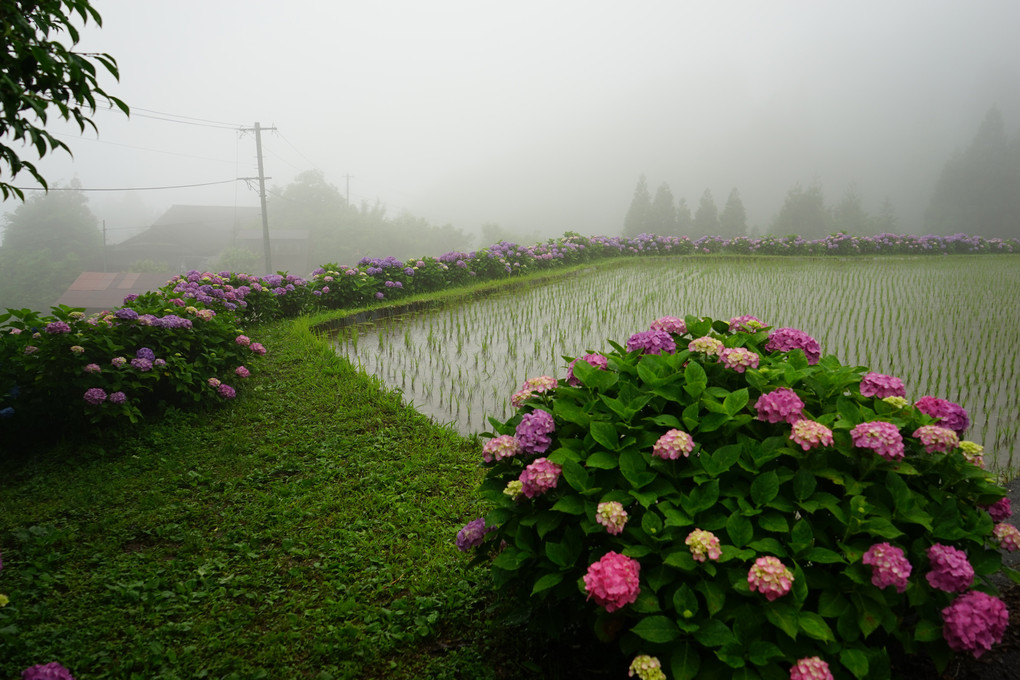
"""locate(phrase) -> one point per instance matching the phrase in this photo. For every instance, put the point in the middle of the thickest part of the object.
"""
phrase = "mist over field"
(404, 128)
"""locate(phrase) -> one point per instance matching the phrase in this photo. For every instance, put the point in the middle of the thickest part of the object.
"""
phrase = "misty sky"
(540, 116)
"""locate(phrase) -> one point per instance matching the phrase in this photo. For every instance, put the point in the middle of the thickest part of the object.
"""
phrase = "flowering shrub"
(797, 519)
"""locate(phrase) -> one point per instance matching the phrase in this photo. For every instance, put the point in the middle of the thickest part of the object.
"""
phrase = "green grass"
(305, 531)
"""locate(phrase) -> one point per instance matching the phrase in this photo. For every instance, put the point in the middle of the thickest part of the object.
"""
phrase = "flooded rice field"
(947, 326)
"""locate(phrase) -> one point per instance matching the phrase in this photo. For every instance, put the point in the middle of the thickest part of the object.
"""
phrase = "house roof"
(96, 291)
(198, 229)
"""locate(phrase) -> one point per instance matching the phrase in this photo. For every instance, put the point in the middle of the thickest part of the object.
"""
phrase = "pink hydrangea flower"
(646, 668)
(950, 570)
(745, 323)
(540, 476)
(118, 398)
(242, 372)
(810, 435)
(779, 405)
(612, 516)
(213, 382)
(937, 439)
(533, 431)
(518, 398)
(257, 347)
(542, 383)
(613, 581)
(889, 566)
(703, 544)
(707, 344)
(95, 395)
(810, 668)
(651, 342)
(500, 448)
(49, 671)
(243, 340)
(738, 359)
(787, 339)
(770, 577)
(949, 414)
(1007, 536)
(597, 360)
(226, 391)
(31, 349)
(882, 386)
(670, 324)
(57, 328)
(974, 622)
(92, 368)
(673, 444)
(1001, 510)
(881, 437)
(118, 361)
(77, 349)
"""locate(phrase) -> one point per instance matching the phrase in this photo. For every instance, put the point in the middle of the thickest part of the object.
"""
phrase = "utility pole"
(348, 190)
(262, 193)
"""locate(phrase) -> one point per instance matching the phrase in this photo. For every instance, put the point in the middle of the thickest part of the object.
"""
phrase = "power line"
(175, 118)
(140, 148)
(176, 186)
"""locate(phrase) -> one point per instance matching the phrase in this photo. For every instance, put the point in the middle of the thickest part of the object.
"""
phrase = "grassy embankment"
(305, 530)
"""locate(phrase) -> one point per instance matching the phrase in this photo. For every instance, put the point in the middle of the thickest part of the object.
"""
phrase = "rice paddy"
(947, 326)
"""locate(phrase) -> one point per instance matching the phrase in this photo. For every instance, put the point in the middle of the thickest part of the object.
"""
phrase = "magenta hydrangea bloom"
(257, 347)
(949, 414)
(141, 364)
(738, 359)
(599, 361)
(95, 395)
(533, 431)
(49, 671)
(242, 372)
(974, 622)
(539, 477)
(670, 324)
(881, 437)
(92, 368)
(779, 405)
(882, 386)
(889, 566)
(770, 577)
(704, 545)
(1007, 536)
(745, 324)
(787, 339)
(118, 398)
(673, 444)
(937, 439)
(612, 516)
(500, 448)
(472, 534)
(810, 668)
(950, 570)
(613, 581)
(243, 340)
(226, 391)
(57, 328)
(810, 435)
(1001, 510)
(651, 342)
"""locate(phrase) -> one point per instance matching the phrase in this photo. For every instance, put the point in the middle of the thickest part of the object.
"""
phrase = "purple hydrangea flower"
(779, 405)
(950, 570)
(95, 395)
(949, 414)
(126, 314)
(226, 391)
(92, 368)
(533, 431)
(882, 386)
(651, 342)
(145, 353)
(57, 327)
(141, 364)
(472, 534)
(787, 339)
(118, 398)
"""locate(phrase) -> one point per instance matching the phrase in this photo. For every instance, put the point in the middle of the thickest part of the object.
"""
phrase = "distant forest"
(977, 193)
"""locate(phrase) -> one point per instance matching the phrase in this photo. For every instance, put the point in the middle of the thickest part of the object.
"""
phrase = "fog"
(539, 116)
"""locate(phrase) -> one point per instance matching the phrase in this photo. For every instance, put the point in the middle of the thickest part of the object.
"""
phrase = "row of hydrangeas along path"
(721, 500)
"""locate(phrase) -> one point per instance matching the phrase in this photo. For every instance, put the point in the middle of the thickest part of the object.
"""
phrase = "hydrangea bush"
(720, 500)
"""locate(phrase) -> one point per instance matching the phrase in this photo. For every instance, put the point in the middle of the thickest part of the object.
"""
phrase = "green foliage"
(40, 73)
(804, 213)
(639, 215)
(817, 510)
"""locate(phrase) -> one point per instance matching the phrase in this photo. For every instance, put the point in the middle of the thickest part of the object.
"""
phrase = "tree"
(40, 73)
(803, 213)
(733, 219)
(662, 220)
(638, 219)
(48, 241)
(684, 220)
(885, 222)
(977, 190)
(706, 219)
(849, 215)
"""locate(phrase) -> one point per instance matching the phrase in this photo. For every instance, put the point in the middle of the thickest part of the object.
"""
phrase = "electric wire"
(176, 186)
